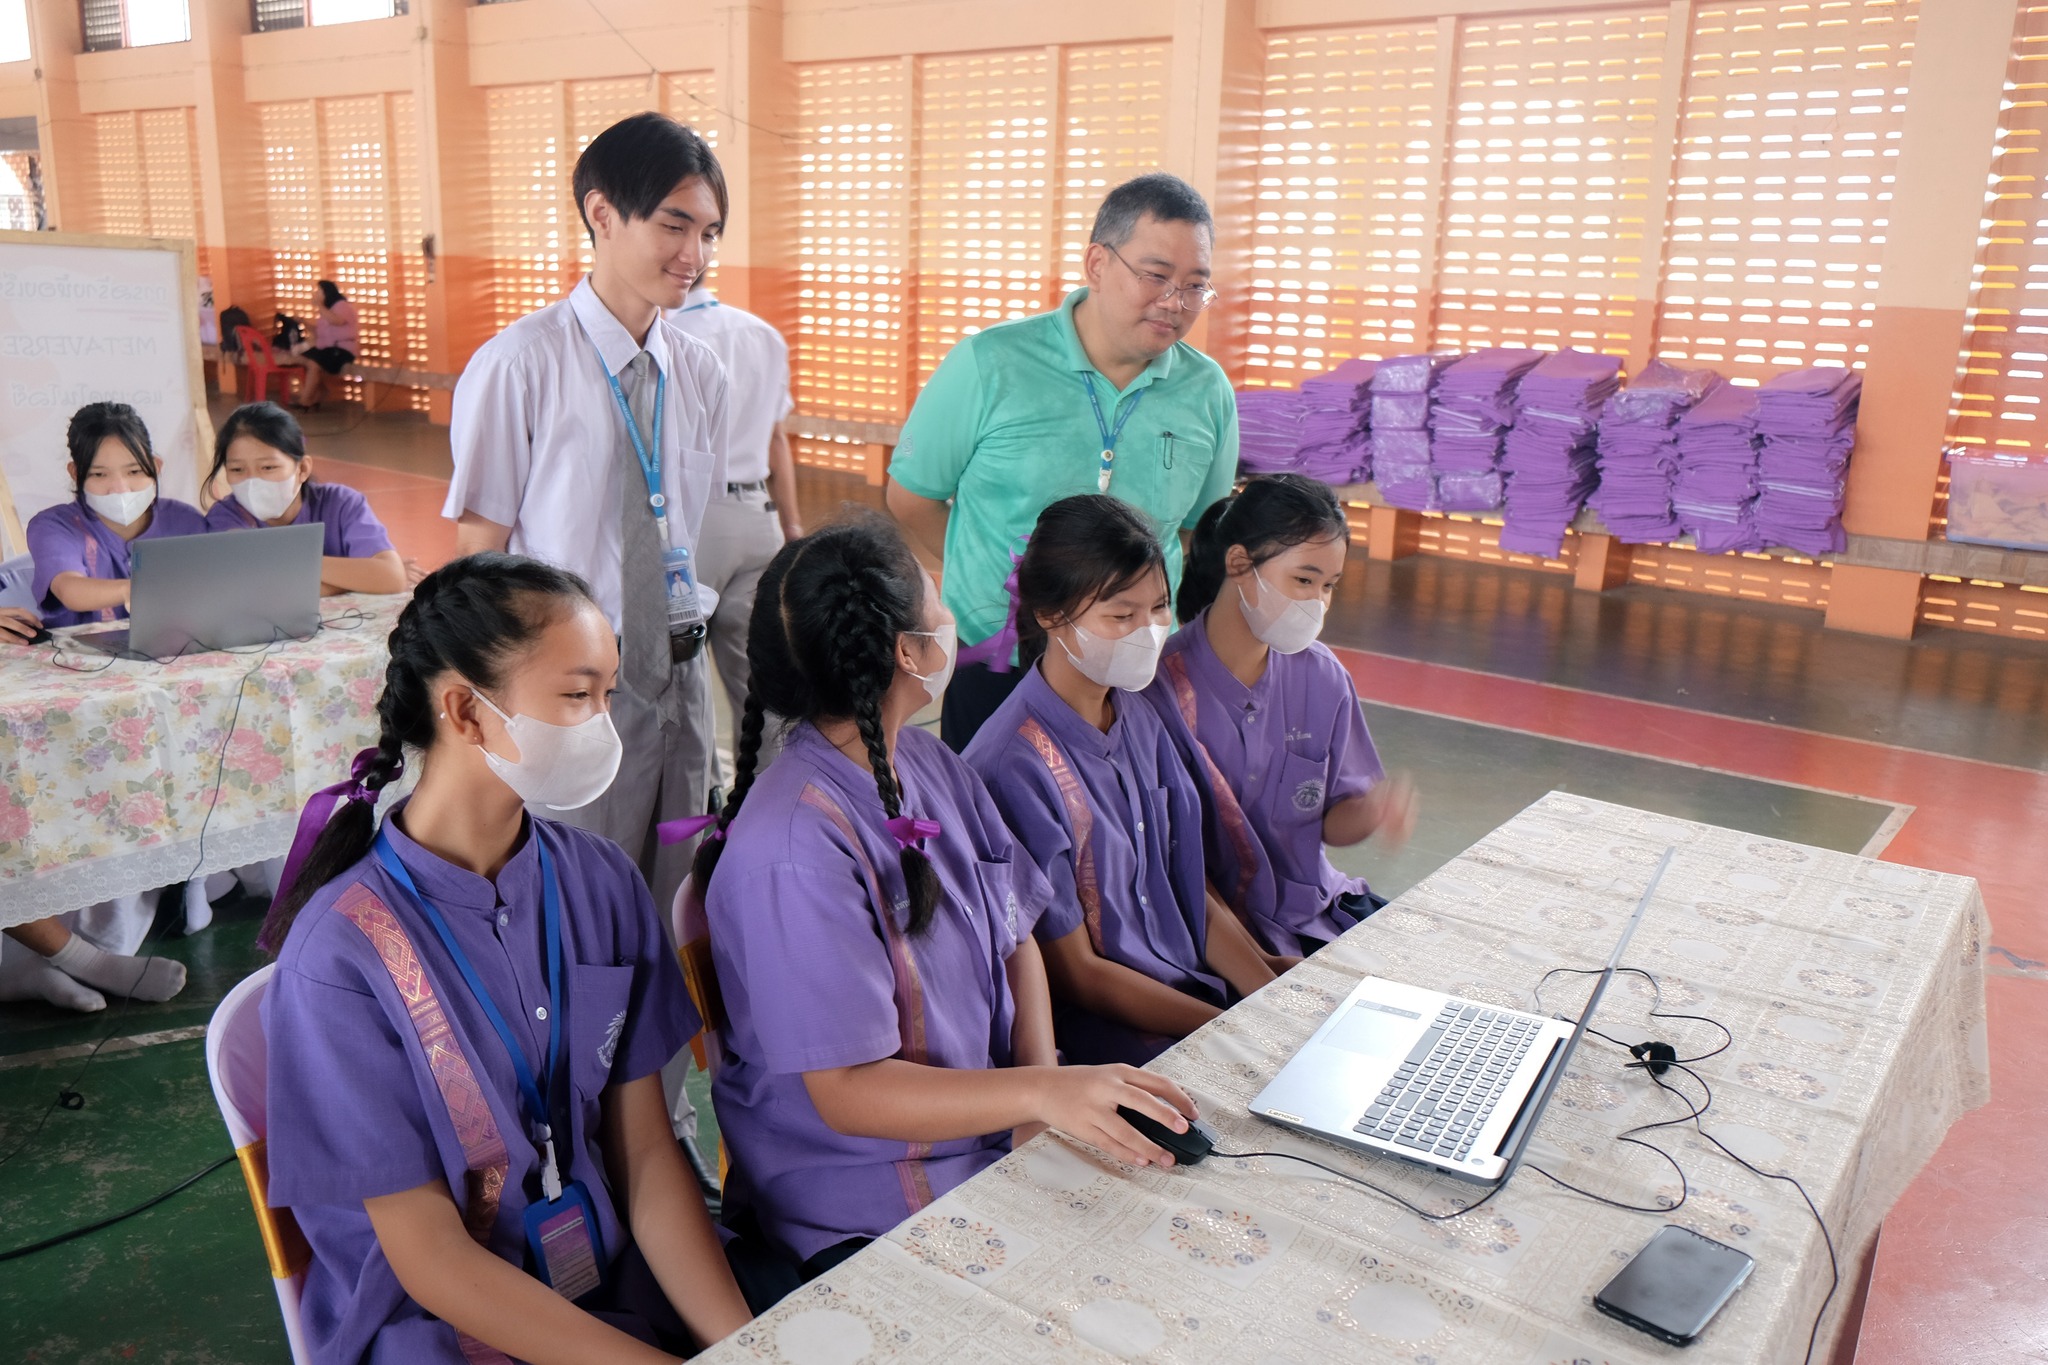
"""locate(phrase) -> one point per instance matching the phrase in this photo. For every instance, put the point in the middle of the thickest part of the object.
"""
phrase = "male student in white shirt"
(546, 465)
(749, 519)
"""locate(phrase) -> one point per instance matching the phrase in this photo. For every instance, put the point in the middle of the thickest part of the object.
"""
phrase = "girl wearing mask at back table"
(1272, 717)
(80, 548)
(470, 1014)
(260, 457)
(1101, 798)
(887, 1024)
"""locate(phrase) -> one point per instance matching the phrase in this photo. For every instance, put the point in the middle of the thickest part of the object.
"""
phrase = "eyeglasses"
(1191, 298)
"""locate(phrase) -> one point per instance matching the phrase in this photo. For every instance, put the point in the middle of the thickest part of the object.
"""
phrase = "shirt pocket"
(1304, 783)
(1000, 910)
(598, 1004)
(692, 488)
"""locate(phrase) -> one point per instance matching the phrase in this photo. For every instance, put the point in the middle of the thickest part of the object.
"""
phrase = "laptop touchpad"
(1376, 1030)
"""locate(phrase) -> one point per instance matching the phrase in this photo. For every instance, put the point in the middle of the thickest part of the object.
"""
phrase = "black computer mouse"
(1188, 1148)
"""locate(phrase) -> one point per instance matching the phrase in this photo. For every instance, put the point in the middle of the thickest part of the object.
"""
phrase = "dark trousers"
(971, 698)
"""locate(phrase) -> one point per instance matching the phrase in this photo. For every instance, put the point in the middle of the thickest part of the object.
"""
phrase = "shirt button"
(1143, 901)
(1141, 827)
(540, 1011)
(503, 919)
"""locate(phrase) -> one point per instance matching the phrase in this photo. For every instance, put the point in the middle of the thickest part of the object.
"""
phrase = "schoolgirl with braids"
(887, 1029)
(1138, 952)
(1271, 717)
(470, 1012)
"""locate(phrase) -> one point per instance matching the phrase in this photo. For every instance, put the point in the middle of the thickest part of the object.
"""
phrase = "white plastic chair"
(693, 950)
(237, 1056)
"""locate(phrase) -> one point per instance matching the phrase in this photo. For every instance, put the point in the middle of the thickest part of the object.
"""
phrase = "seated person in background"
(1272, 717)
(417, 1206)
(260, 454)
(888, 1028)
(48, 962)
(1102, 800)
(81, 548)
(336, 340)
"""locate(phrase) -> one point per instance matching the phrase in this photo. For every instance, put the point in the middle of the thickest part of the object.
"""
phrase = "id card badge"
(562, 1234)
(685, 612)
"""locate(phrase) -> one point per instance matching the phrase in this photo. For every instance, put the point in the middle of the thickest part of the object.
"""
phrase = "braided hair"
(821, 645)
(471, 617)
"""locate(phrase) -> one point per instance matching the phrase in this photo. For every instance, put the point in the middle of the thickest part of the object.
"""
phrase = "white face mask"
(121, 509)
(948, 637)
(1127, 662)
(1283, 623)
(266, 499)
(559, 766)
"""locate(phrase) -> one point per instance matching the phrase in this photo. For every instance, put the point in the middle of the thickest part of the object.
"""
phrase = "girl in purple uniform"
(1101, 798)
(80, 548)
(1272, 717)
(471, 1011)
(260, 453)
(887, 1028)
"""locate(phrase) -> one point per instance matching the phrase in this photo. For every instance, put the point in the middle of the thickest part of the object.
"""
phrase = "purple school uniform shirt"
(1114, 822)
(352, 529)
(816, 975)
(1285, 749)
(354, 1110)
(72, 538)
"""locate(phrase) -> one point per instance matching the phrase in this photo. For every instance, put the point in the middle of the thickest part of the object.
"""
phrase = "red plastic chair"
(259, 367)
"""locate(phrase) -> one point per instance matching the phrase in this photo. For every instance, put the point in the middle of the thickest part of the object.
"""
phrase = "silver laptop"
(1447, 1082)
(223, 590)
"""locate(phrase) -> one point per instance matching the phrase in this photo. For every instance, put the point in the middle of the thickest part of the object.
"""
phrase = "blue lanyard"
(1109, 433)
(650, 463)
(539, 1116)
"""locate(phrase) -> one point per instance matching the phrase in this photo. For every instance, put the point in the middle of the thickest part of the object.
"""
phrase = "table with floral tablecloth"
(1855, 996)
(123, 775)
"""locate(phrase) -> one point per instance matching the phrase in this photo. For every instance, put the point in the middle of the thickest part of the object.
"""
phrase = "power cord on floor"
(75, 1233)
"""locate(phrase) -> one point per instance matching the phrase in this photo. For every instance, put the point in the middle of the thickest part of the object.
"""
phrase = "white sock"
(198, 909)
(28, 975)
(155, 978)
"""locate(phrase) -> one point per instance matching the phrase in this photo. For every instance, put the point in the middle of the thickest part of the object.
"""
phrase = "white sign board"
(93, 319)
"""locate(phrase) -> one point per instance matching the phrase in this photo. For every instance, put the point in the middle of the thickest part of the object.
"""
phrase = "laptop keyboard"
(1438, 1099)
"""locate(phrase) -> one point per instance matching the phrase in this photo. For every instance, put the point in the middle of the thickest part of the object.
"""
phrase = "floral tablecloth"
(1855, 995)
(112, 766)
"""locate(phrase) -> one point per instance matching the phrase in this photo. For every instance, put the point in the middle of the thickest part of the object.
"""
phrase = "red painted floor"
(1962, 1272)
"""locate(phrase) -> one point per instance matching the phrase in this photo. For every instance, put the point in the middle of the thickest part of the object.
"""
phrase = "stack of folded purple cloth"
(1336, 418)
(1401, 391)
(1638, 451)
(1549, 455)
(1715, 492)
(1474, 407)
(1268, 430)
(1806, 423)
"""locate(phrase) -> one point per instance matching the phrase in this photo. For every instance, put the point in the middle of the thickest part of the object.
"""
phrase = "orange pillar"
(756, 148)
(1937, 205)
(453, 138)
(64, 132)
(234, 227)
(1215, 80)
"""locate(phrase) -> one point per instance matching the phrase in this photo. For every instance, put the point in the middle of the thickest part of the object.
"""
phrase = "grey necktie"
(644, 666)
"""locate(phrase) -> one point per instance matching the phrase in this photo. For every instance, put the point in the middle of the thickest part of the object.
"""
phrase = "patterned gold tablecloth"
(1855, 995)
(110, 766)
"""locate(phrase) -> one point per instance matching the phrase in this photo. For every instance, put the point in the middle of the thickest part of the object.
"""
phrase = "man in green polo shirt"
(1100, 395)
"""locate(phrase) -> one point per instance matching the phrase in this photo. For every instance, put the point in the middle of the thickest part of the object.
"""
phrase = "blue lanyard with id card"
(685, 612)
(1109, 433)
(561, 1226)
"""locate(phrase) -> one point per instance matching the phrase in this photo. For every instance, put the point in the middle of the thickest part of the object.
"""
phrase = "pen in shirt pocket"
(1167, 437)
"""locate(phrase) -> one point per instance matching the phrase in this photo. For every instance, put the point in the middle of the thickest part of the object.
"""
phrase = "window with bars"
(268, 16)
(110, 24)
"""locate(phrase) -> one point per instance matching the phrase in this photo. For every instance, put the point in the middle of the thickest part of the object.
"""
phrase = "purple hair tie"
(313, 818)
(675, 831)
(909, 832)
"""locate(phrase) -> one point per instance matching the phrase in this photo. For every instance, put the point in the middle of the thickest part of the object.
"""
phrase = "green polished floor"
(186, 1283)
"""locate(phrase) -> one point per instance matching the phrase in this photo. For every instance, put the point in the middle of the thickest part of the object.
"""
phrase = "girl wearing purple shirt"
(1084, 771)
(886, 1025)
(439, 1159)
(1272, 717)
(260, 453)
(81, 548)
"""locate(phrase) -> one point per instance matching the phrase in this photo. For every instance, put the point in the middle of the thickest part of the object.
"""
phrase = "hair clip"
(910, 832)
(676, 831)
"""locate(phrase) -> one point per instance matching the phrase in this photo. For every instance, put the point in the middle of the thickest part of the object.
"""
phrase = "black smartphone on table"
(1673, 1287)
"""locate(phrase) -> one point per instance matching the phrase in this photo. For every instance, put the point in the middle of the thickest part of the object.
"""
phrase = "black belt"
(757, 486)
